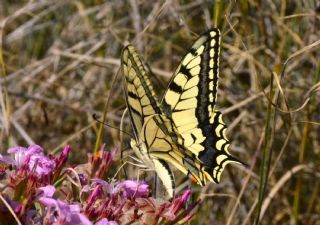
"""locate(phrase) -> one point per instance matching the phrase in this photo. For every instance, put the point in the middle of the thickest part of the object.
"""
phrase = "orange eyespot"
(192, 178)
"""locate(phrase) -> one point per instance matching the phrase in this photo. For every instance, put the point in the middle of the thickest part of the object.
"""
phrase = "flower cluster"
(43, 189)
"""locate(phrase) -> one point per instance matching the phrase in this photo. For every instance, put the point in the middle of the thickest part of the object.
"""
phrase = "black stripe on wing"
(140, 97)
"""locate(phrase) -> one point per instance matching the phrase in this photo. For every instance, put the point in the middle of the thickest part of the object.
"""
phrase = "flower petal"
(35, 149)
(16, 149)
(105, 221)
(133, 188)
(46, 191)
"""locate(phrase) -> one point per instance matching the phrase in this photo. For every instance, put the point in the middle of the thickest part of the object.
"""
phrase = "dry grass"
(58, 59)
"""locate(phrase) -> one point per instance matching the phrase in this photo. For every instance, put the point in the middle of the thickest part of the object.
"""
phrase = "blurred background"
(59, 63)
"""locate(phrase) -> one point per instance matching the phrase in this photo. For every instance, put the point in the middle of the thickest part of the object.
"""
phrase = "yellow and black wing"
(140, 97)
(189, 103)
(143, 107)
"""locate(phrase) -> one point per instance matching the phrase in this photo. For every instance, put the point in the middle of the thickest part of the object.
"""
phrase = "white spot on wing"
(211, 86)
(211, 97)
(213, 42)
(211, 53)
(213, 34)
(211, 74)
(211, 63)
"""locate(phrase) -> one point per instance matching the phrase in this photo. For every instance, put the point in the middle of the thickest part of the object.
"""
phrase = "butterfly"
(183, 128)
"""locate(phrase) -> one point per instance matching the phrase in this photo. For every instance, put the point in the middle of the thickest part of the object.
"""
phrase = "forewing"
(190, 103)
(140, 97)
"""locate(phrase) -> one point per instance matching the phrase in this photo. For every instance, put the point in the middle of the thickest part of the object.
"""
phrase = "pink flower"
(105, 186)
(59, 212)
(46, 191)
(152, 210)
(62, 159)
(132, 188)
(42, 165)
(21, 153)
(105, 221)
(37, 201)
(34, 157)
(32, 149)
(178, 203)
(93, 197)
(83, 179)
